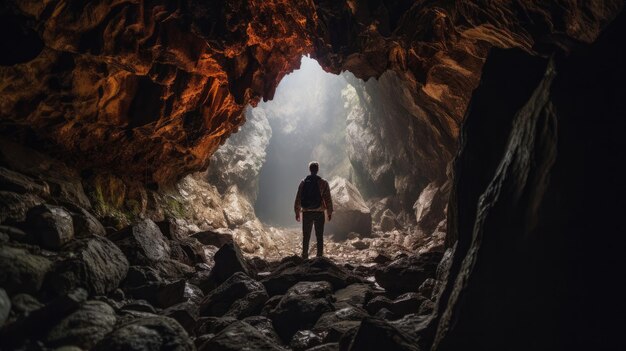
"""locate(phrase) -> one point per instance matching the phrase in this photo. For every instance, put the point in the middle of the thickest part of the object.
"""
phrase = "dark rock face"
(52, 225)
(142, 242)
(301, 307)
(351, 213)
(152, 333)
(317, 269)
(20, 271)
(408, 273)
(228, 261)
(85, 327)
(98, 265)
(240, 336)
(239, 296)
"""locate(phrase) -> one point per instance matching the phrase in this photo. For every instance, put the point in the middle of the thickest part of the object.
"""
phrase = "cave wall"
(151, 89)
(535, 211)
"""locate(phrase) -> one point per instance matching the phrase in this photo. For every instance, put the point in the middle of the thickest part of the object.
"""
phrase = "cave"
(478, 144)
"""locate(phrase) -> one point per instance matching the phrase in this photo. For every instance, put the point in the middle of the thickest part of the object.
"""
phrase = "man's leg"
(319, 232)
(307, 225)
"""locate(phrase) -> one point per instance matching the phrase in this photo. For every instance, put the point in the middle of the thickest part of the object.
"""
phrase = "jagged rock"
(5, 306)
(22, 184)
(142, 242)
(353, 295)
(84, 327)
(97, 265)
(201, 201)
(185, 313)
(331, 346)
(160, 294)
(172, 270)
(381, 259)
(36, 324)
(215, 237)
(402, 305)
(24, 304)
(406, 274)
(193, 293)
(427, 307)
(14, 207)
(228, 261)
(376, 334)
(265, 326)
(237, 209)
(385, 314)
(141, 275)
(173, 228)
(212, 325)
(85, 224)
(152, 333)
(427, 287)
(316, 269)
(271, 303)
(52, 225)
(301, 307)
(240, 336)
(239, 296)
(188, 251)
(388, 221)
(305, 339)
(337, 319)
(351, 214)
(139, 306)
(21, 271)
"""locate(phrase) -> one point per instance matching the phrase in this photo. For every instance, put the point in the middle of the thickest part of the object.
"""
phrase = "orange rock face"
(149, 89)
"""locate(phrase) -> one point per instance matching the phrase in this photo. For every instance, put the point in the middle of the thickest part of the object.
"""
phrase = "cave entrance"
(374, 145)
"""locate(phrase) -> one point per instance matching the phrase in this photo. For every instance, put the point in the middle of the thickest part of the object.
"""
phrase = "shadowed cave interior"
(150, 153)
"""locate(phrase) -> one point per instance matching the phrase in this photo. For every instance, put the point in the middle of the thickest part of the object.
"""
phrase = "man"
(312, 199)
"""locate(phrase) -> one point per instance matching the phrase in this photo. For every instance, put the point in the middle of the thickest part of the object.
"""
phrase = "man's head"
(314, 167)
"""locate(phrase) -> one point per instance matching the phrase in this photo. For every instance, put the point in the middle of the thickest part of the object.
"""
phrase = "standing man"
(312, 199)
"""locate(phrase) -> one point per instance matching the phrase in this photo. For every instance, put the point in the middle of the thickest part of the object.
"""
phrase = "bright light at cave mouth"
(308, 121)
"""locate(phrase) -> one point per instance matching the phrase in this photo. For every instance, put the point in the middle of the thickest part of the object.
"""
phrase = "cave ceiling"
(150, 89)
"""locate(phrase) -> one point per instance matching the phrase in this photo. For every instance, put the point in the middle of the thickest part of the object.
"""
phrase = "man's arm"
(296, 205)
(328, 200)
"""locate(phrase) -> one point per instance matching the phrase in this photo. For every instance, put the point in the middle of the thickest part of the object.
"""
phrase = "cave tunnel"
(150, 153)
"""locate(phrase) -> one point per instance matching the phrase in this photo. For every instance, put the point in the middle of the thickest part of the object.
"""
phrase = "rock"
(152, 333)
(406, 274)
(84, 327)
(139, 306)
(212, 325)
(240, 336)
(188, 251)
(427, 287)
(331, 346)
(301, 307)
(403, 305)
(14, 207)
(228, 261)
(385, 314)
(353, 295)
(427, 307)
(23, 304)
(36, 324)
(237, 209)
(316, 269)
(52, 226)
(20, 271)
(193, 293)
(185, 313)
(172, 270)
(359, 244)
(239, 296)
(430, 207)
(160, 294)
(305, 339)
(376, 334)
(15, 234)
(337, 318)
(215, 237)
(173, 228)
(5, 306)
(265, 326)
(351, 214)
(22, 184)
(381, 259)
(85, 224)
(97, 265)
(142, 242)
(388, 221)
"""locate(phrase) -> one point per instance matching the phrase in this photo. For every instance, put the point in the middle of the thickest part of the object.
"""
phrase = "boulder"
(316, 269)
(388, 221)
(336, 319)
(85, 224)
(14, 207)
(96, 264)
(301, 307)
(351, 213)
(5, 306)
(265, 326)
(237, 208)
(22, 184)
(228, 261)
(353, 295)
(20, 271)
(240, 336)
(142, 242)
(84, 327)
(406, 274)
(51, 225)
(215, 237)
(377, 334)
(305, 339)
(239, 296)
(401, 306)
(427, 287)
(150, 333)
(431, 206)
(188, 251)
(162, 294)
(185, 313)
(212, 325)
(23, 304)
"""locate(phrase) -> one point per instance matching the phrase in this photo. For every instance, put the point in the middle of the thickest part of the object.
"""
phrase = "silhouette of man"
(312, 199)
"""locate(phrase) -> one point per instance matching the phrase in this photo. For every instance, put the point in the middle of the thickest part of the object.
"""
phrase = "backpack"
(311, 196)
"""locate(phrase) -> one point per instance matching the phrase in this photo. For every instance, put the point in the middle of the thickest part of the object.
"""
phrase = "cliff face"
(150, 89)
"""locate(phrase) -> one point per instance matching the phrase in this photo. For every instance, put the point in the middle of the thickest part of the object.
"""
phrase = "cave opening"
(389, 190)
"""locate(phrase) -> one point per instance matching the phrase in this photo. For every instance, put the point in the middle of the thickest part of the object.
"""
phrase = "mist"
(308, 121)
